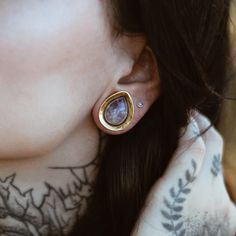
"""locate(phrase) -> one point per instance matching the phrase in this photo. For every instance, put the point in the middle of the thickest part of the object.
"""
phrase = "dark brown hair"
(190, 40)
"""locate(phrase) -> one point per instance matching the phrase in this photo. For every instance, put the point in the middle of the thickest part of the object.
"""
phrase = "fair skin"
(59, 62)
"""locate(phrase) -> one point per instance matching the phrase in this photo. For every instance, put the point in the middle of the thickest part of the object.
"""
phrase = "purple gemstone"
(117, 111)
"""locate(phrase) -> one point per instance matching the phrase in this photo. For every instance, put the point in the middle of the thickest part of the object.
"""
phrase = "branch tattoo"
(58, 211)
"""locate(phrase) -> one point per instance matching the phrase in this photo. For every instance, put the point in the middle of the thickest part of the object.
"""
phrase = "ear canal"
(117, 111)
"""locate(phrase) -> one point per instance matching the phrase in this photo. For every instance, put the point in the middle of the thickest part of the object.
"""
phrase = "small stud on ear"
(140, 104)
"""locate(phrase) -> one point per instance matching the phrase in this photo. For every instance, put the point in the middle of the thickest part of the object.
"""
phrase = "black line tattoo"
(20, 215)
(58, 210)
(216, 165)
(173, 212)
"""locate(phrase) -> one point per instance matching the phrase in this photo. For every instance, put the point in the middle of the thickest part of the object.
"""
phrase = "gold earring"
(117, 111)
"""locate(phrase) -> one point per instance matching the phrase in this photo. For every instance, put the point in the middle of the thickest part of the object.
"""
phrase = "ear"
(142, 83)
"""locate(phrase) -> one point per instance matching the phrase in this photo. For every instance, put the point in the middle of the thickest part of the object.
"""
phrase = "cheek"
(49, 63)
(36, 36)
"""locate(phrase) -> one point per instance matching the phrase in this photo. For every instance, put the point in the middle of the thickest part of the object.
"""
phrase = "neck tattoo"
(58, 209)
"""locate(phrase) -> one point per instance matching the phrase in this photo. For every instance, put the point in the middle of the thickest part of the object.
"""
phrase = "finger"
(189, 154)
(212, 136)
(185, 164)
(212, 170)
(214, 147)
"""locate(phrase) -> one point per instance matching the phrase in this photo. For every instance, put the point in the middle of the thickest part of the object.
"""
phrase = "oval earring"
(117, 111)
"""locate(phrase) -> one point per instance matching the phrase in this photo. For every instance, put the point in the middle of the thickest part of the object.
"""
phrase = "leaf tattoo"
(216, 165)
(174, 207)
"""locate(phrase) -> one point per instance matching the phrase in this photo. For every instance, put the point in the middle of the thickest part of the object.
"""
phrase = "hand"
(191, 198)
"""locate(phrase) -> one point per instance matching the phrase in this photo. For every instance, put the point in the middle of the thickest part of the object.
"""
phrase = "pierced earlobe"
(117, 111)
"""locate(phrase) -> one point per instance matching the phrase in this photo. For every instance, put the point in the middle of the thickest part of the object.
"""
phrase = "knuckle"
(192, 147)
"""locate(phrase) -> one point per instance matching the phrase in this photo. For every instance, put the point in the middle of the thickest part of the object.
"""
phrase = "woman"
(95, 96)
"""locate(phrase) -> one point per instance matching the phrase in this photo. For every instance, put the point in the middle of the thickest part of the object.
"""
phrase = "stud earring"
(140, 104)
(117, 111)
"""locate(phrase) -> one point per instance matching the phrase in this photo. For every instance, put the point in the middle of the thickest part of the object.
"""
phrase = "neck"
(46, 194)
